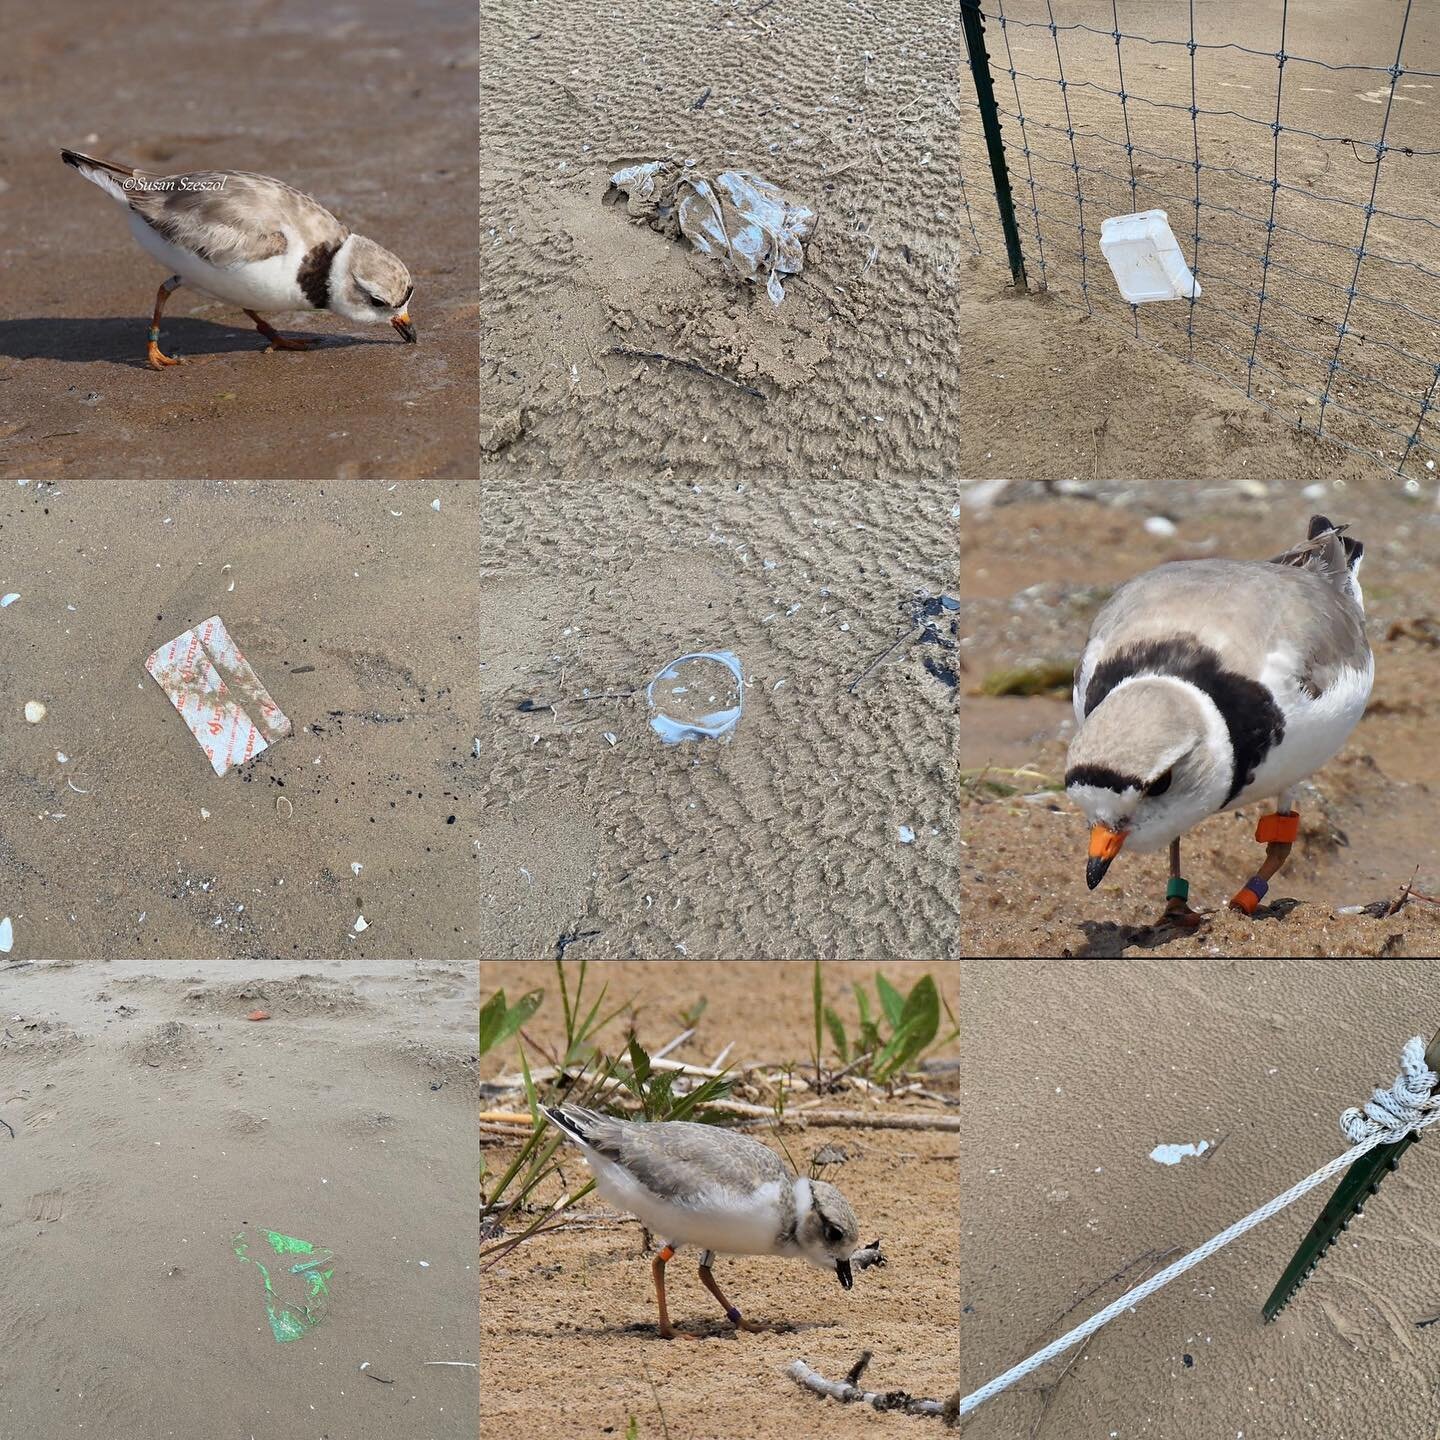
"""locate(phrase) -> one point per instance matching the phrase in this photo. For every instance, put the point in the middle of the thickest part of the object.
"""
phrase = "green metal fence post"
(972, 19)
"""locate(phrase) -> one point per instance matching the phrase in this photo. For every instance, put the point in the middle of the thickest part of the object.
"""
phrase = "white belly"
(266, 285)
(1314, 730)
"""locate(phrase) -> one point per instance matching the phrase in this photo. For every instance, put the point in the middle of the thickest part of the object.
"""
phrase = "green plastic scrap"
(291, 1318)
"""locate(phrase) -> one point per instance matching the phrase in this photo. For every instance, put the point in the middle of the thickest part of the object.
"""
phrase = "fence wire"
(1313, 247)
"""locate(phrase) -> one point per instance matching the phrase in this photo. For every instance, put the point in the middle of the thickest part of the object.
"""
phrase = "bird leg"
(1177, 894)
(657, 1269)
(159, 361)
(1277, 833)
(732, 1314)
(277, 340)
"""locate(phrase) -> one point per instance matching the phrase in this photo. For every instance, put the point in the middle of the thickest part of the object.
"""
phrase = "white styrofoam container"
(1145, 258)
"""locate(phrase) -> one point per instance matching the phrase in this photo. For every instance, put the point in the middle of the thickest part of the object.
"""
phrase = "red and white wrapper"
(218, 695)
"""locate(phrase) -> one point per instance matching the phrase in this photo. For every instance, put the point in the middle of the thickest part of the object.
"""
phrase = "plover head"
(826, 1230)
(1151, 760)
(368, 283)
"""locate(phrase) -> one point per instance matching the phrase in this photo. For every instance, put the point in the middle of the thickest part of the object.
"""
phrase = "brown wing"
(231, 217)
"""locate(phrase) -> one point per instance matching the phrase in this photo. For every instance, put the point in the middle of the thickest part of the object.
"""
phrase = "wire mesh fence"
(1293, 146)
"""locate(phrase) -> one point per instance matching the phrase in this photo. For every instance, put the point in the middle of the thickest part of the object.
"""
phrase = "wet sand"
(352, 608)
(154, 1124)
(365, 107)
(1070, 1075)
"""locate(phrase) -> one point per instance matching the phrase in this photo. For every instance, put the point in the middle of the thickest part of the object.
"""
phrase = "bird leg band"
(1277, 833)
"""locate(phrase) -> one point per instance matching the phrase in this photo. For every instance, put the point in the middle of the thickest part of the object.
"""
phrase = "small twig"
(675, 1044)
(468, 1364)
(1429, 1320)
(664, 1428)
(843, 1390)
(914, 634)
(8, 1126)
(684, 365)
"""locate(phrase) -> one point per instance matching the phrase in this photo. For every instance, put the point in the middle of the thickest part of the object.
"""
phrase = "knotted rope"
(1412, 1103)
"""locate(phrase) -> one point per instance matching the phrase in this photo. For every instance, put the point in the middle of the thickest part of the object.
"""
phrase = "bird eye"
(378, 303)
(1160, 786)
(833, 1234)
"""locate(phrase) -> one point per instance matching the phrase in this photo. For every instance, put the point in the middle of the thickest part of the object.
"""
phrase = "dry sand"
(1058, 385)
(359, 621)
(1067, 1091)
(1036, 572)
(582, 1303)
(366, 106)
(153, 1123)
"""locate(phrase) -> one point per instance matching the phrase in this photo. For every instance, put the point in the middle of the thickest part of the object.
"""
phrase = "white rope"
(1411, 1104)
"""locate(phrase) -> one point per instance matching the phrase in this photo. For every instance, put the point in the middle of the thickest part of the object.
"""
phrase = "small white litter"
(34, 711)
(218, 695)
(7, 936)
(361, 923)
(1174, 1154)
(1145, 258)
(7, 600)
(906, 834)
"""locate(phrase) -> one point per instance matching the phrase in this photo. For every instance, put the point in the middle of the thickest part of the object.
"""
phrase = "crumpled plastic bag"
(748, 224)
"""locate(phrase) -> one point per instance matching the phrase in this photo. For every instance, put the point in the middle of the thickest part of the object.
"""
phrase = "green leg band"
(1177, 889)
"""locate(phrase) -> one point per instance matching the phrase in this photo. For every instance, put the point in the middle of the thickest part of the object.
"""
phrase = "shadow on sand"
(120, 340)
(1107, 939)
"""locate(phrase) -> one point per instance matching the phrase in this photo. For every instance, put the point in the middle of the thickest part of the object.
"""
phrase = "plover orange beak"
(1104, 847)
(402, 323)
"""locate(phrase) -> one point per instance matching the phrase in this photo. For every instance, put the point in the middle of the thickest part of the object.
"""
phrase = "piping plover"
(1206, 684)
(255, 242)
(701, 1185)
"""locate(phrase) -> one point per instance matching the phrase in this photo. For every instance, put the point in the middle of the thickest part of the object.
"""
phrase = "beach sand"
(1038, 566)
(582, 1303)
(1070, 1076)
(358, 621)
(637, 511)
(366, 107)
(154, 1124)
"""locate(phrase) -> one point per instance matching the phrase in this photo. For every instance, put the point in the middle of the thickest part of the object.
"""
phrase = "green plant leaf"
(498, 1021)
(890, 1000)
(639, 1060)
(492, 1016)
(837, 1034)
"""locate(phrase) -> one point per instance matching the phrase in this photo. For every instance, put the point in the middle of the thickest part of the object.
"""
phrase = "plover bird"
(701, 1185)
(1206, 684)
(255, 242)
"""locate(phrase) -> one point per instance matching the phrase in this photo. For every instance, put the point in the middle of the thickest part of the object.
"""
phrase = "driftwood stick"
(859, 1119)
(699, 369)
(844, 1391)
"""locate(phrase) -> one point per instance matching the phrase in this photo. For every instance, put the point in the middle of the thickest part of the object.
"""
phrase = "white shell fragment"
(7, 600)
(34, 711)
(7, 936)
(907, 835)
(361, 923)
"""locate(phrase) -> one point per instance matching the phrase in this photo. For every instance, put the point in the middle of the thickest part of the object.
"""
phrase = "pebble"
(34, 711)
(907, 835)
(1159, 525)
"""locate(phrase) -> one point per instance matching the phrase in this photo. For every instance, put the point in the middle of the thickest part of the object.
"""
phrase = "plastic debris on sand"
(751, 226)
